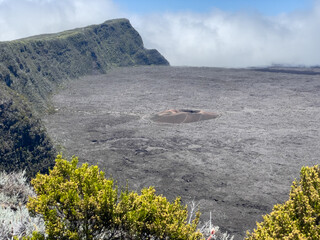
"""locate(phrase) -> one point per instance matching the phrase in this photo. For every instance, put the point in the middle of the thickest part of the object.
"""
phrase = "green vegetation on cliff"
(32, 68)
(35, 66)
(24, 144)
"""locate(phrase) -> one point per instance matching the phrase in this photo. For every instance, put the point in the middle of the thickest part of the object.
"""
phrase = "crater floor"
(237, 165)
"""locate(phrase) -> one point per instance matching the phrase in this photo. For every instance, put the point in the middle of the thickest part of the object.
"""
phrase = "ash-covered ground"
(238, 165)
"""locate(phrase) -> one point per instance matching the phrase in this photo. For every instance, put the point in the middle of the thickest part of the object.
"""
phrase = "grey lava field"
(237, 165)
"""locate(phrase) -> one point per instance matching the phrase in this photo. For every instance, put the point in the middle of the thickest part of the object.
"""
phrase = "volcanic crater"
(237, 165)
(183, 116)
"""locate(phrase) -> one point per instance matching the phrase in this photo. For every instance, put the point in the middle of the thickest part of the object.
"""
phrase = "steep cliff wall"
(24, 144)
(35, 66)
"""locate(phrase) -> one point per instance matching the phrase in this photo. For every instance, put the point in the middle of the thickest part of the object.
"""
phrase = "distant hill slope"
(34, 66)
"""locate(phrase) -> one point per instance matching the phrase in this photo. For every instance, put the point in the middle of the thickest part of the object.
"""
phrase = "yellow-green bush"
(80, 203)
(299, 217)
(149, 215)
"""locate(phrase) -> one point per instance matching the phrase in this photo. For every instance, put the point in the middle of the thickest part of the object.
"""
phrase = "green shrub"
(76, 203)
(150, 216)
(299, 217)
(80, 203)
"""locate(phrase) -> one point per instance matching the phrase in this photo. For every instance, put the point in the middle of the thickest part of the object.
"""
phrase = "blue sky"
(214, 33)
(267, 7)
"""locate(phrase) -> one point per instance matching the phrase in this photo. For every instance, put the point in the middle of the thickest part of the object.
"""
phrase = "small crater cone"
(183, 116)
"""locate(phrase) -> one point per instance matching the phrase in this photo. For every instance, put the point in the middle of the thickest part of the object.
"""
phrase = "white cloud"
(218, 38)
(241, 39)
(21, 18)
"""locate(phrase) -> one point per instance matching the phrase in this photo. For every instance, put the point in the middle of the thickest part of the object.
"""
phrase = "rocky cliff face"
(35, 66)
